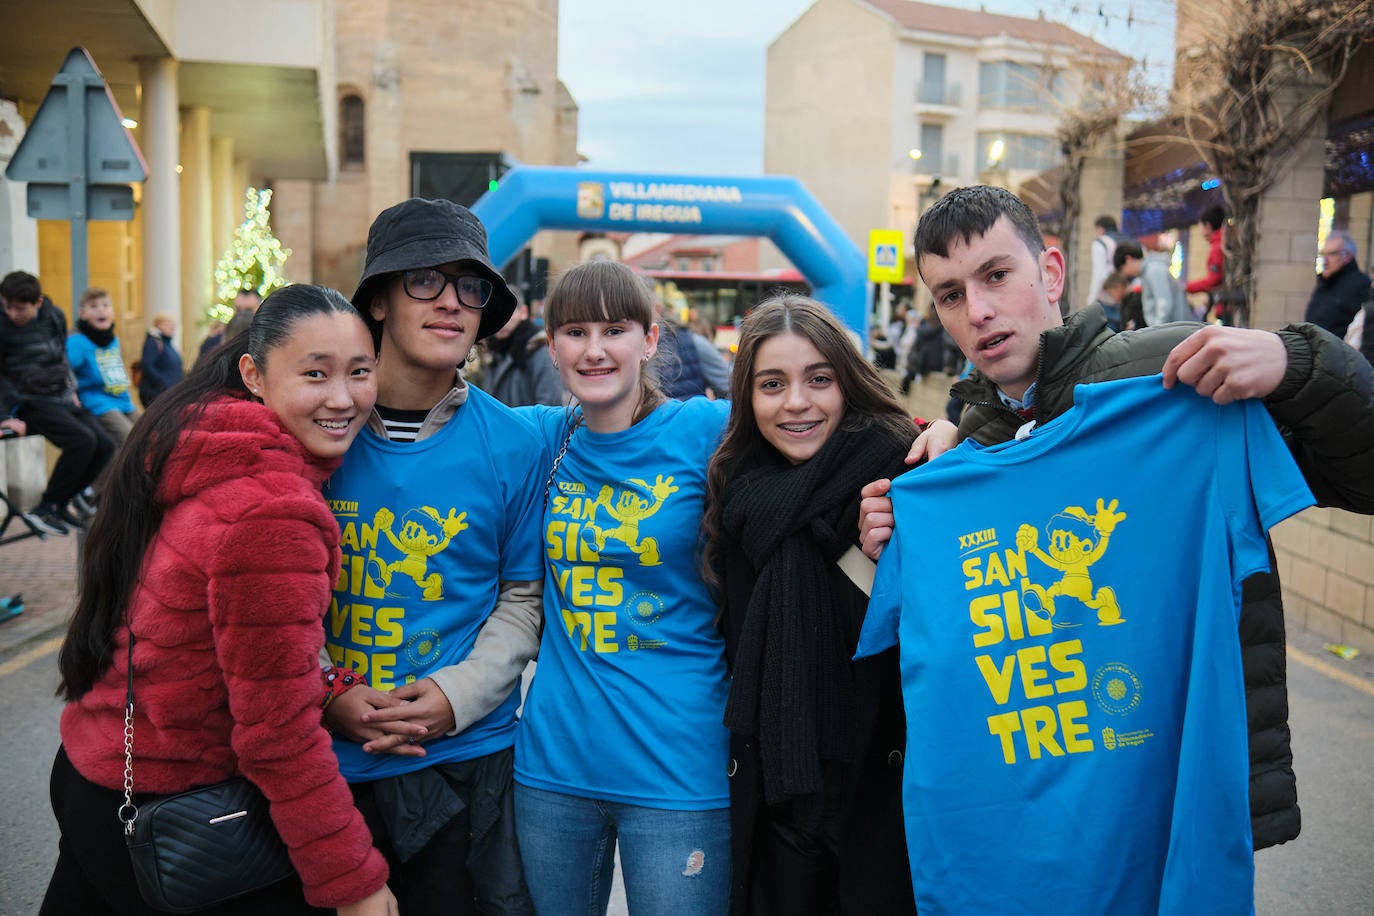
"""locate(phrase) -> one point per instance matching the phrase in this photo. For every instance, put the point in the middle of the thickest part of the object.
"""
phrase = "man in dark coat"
(161, 362)
(1319, 392)
(1341, 290)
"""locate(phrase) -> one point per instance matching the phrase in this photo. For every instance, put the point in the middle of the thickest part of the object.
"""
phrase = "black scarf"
(98, 337)
(792, 684)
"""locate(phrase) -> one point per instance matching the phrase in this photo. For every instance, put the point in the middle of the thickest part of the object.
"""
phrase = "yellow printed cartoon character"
(423, 534)
(1077, 541)
(629, 509)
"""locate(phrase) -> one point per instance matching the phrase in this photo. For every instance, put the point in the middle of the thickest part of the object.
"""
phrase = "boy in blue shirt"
(438, 604)
(102, 384)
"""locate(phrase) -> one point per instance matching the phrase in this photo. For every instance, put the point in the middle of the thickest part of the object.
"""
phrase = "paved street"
(1324, 873)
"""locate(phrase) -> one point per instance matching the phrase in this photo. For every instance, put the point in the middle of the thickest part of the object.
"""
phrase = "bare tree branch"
(1258, 84)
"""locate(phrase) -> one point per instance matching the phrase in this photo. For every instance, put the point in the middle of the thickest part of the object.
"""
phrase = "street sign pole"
(76, 193)
(885, 267)
(78, 158)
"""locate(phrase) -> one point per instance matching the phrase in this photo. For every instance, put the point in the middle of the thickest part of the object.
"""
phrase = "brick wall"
(1326, 564)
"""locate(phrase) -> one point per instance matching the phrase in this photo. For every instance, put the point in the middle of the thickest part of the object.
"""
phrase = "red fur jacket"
(228, 616)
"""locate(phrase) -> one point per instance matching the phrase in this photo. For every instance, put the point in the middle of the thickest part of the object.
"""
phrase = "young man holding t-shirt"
(996, 287)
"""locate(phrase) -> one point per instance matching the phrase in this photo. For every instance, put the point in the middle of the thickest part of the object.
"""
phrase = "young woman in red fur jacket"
(214, 546)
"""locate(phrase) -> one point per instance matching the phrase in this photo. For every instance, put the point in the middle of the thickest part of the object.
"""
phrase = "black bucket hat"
(428, 233)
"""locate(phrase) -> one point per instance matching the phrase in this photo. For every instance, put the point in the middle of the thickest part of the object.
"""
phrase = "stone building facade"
(427, 77)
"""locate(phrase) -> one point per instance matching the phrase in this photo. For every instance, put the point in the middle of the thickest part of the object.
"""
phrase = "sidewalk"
(44, 571)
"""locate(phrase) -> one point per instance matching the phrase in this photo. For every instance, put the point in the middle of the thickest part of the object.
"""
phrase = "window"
(1022, 151)
(1007, 84)
(932, 148)
(932, 88)
(352, 134)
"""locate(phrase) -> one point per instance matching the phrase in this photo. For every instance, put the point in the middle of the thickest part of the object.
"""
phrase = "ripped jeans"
(675, 863)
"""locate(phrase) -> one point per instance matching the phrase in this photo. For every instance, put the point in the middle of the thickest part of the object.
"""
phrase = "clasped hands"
(394, 721)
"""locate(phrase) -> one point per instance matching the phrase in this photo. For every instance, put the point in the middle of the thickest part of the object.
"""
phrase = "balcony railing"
(941, 93)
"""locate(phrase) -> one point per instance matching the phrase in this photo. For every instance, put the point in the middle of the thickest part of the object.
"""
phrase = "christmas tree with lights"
(254, 259)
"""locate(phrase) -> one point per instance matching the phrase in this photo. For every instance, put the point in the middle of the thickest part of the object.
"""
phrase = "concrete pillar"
(1362, 227)
(241, 182)
(197, 254)
(226, 197)
(158, 124)
(18, 233)
(1099, 194)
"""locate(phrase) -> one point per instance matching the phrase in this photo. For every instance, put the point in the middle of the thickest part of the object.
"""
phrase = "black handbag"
(201, 847)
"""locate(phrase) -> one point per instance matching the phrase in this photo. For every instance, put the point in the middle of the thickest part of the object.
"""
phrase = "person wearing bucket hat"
(419, 234)
(438, 609)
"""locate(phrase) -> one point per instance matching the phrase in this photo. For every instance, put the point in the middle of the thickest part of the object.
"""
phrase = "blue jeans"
(675, 863)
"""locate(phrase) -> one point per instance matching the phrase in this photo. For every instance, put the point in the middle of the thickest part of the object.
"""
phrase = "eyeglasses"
(427, 283)
(1333, 254)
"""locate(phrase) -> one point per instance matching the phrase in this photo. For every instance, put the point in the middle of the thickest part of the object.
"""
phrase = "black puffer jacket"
(1325, 408)
(33, 359)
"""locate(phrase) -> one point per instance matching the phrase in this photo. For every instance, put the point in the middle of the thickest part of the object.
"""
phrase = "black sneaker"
(46, 519)
(83, 504)
(70, 518)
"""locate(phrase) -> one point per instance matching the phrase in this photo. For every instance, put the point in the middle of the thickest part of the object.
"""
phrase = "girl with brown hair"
(816, 739)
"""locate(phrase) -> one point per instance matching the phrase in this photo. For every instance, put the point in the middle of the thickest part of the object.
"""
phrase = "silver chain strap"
(562, 453)
(128, 812)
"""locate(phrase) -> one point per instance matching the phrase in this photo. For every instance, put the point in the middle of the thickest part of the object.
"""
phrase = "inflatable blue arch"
(531, 198)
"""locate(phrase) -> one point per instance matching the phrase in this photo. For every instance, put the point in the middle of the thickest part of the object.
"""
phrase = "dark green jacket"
(1325, 408)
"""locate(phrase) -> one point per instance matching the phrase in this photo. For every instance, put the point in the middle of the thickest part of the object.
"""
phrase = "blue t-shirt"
(101, 382)
(429, 529)
(1067, 610)
(628, 700)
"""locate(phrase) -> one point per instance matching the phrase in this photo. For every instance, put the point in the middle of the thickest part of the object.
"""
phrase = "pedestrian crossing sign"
(885, 262)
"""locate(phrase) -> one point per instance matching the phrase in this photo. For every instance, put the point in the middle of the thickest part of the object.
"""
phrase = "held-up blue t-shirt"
(628, 700)
(429, 529)
(1067, 611)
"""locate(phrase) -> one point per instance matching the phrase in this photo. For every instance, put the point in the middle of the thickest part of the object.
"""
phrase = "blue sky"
(678, 86)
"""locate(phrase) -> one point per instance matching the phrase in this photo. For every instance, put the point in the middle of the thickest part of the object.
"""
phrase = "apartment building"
(880, 105)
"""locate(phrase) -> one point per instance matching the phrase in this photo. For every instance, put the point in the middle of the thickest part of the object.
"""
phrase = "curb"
(26, 630)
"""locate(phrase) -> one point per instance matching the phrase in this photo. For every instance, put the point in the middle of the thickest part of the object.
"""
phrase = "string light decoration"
(254, 259)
